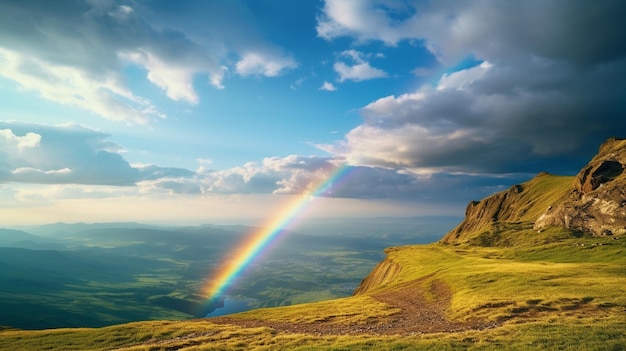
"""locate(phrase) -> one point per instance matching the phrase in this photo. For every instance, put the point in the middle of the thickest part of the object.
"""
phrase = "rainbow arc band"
(257, 241)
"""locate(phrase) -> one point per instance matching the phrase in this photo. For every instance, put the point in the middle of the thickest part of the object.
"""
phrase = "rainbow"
(257, 241)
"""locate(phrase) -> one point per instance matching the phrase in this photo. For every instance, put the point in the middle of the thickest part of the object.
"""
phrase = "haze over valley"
(90, 275)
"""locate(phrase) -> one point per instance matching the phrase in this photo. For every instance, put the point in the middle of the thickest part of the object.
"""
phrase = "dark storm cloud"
(381, 183)
(552, 86)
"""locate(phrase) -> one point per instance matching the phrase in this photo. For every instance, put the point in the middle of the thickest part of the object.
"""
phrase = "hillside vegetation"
(495, 282)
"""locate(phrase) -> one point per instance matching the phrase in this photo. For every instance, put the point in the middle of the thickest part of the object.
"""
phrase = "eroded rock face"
(597, 201)
(590, 178)
(498, 207)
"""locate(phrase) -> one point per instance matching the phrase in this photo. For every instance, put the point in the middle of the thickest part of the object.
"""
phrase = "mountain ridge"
(592, 202)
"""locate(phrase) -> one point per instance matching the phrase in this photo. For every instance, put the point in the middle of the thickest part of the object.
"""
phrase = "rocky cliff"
(596, 201)
(592, 202)
(519, 206)
(482, 214)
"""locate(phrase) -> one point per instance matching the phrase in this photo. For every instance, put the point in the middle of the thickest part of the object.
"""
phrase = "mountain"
(593, 202)
(61, 229)
(518, 207)
(530, 268)
(18, 238)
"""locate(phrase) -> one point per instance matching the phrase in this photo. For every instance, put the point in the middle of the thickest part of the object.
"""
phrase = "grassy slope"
(548, 290)
(554, 296)
(522, 211)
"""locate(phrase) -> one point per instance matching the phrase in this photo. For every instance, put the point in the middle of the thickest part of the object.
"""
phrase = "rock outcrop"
(596, 202)
(502, 206)
(517, 207)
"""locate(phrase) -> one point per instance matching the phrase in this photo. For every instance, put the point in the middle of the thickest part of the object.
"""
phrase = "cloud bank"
(69, 154)
(73, 155)
(550, 88)
(358, 69)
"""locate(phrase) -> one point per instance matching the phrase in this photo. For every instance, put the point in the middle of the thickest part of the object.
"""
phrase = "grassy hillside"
(502, 286)
(568, 294)
(515, 209)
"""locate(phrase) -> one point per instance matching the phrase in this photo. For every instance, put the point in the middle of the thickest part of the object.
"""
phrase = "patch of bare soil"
(420, 312)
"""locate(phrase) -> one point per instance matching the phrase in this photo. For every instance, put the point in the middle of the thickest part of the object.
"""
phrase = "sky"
(204, 111)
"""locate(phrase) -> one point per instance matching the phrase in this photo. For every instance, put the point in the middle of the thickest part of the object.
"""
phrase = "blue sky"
(201, 111)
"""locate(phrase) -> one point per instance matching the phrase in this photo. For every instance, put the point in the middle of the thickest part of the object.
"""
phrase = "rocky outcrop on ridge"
(596, 202)
(500, 207)
(593, 202)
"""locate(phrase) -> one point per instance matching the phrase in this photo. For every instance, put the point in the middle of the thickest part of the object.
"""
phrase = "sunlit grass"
(313, 296)
(520, 212)
(350, 310)
(541, 192)
(492, 284)
(566, 334)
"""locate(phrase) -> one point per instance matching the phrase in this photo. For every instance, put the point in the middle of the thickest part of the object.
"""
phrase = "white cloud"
(422, 71)
(177, 81)
(463, 78)
(78, 165)
(254, 63)
(539, 95)
(103, 95)
(328, 86)
(359, 70)
(487, 29)
(28, 170)
(297, 84)
(489, 118)
(363, 19)
(69, 154)
(9, 141)
(43, 51)
(298, 175)
(122, 12)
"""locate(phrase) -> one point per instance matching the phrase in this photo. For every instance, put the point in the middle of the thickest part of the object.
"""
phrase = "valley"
(95, 275)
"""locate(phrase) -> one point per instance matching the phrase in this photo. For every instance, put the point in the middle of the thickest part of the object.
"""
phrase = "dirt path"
(420, 312)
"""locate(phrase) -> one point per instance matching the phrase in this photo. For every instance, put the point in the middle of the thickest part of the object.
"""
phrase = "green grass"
(493, 283)
(556, 296)
(517, 216)
(351, 310)
(582, 334)
(542, 191)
